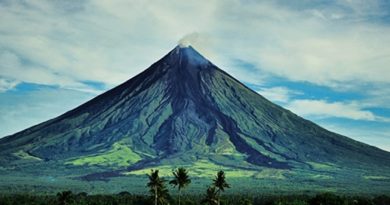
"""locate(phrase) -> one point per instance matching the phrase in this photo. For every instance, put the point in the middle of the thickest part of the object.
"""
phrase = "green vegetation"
(211, 196)
(220, 184)
(125, 198)
(44, 181)
(64, 197)
(376, 177)
(181, 179)
(323, 166)
(119, 156)
(207, 169)
(157, 188)
(24, 155)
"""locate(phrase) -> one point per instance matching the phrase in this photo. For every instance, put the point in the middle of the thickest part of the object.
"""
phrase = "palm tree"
(163, 195)
(211, 196)
(220, 183)
(181, 179)
(156, 185)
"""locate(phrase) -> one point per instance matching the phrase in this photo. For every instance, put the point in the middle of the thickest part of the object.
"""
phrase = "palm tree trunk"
(219, 197)
(155, 196)
(179, 195)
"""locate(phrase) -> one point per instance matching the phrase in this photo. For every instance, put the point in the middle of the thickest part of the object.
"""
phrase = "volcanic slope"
(183, 110)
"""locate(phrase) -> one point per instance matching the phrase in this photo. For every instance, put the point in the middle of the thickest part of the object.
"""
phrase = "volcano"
(185, 111)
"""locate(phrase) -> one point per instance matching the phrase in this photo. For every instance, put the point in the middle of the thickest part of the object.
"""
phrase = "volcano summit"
(185, 111)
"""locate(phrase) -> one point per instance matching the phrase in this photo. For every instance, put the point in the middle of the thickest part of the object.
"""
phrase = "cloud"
(377, 96)
(278, 94)
(84, 41)
(7, 84)
(201, 42)
(189, 39)
(324, 109)
(295, 44)
(13, 68)
(111, 41)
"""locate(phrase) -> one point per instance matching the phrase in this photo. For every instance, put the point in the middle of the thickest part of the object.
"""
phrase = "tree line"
(125, 198)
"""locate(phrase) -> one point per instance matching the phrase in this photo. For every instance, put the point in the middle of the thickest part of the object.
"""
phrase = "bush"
(327, 199)
(381, 200)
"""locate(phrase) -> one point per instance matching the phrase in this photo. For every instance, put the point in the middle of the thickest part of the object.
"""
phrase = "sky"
(326, 60)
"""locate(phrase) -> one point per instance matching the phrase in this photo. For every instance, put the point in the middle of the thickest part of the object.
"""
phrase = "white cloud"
(300, 46)
(111, 41)
(377, 97)
(7, 84)
(324, 109)
(106, 41)
(12, 68)
(189, 39)
(277, 94)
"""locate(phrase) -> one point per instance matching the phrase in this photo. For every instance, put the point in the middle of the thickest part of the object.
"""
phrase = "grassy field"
(137, 184)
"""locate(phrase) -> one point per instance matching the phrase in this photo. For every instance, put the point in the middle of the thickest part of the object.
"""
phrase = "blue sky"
(328, 61)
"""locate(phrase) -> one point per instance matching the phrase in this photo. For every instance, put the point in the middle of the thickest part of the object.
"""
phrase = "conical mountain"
(180, 111)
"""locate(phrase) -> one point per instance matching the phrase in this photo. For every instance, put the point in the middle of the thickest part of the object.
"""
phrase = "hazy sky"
(328, 61)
